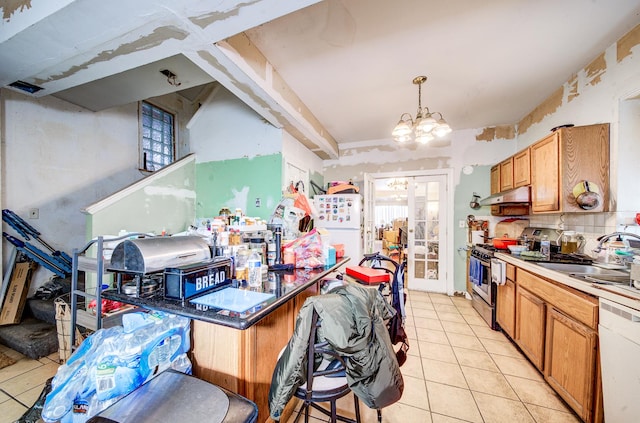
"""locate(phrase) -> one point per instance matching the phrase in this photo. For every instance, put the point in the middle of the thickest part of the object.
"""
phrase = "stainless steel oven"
(483, 297)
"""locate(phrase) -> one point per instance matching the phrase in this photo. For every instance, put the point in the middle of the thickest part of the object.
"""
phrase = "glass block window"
(157, 140)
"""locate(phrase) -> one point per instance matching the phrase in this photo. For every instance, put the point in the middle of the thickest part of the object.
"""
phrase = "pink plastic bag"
(308, 250)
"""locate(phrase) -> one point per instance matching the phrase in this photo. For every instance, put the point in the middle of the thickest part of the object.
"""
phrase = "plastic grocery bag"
(112, 362)
(308, 250)
(302, 202)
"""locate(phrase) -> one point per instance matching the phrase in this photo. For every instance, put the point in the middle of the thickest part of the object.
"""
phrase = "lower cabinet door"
(530, 326)
(570, 367)
(506, 307)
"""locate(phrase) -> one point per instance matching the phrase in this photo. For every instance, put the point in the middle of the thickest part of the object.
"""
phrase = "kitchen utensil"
(477, 237)
(587, 195)
(503, 243)
(474, 204)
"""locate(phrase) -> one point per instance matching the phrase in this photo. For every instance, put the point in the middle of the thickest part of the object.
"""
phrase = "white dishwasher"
(619, 332)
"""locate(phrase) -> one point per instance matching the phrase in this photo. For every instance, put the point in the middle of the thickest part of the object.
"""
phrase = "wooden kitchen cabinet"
(522, 168)
(506, 303)
(563, 159)
(495, 179)
(531, 317)
(501, 180)
(244, 361)
(570, 364)
(495, 187)
(556, 328)
(506, 174)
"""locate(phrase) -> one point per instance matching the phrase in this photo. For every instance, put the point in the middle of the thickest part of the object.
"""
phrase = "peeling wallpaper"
(12, 6)
(145, 42)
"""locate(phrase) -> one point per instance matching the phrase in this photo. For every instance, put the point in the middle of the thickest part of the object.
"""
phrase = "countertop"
(285, 285)
(621, 295)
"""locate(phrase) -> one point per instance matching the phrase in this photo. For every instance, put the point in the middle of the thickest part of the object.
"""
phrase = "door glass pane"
(421, 228)
(427, 230)
(433, 229)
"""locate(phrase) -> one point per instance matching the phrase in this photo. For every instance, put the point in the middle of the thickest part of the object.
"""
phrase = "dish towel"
(475, 271)
(498, 272)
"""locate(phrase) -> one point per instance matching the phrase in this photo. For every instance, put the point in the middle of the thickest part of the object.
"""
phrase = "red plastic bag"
(302, 202)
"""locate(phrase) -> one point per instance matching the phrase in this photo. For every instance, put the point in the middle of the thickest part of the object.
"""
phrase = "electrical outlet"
(34, 213)
(462, 223)
(258, 202)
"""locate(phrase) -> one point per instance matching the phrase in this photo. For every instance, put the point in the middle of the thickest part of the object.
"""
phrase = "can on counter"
(271, 253)
(289, 256)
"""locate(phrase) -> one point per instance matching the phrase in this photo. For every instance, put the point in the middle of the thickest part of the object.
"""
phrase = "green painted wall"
(478, 181)
(237, 183)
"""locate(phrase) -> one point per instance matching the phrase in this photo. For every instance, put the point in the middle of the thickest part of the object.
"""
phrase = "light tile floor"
(458, 370)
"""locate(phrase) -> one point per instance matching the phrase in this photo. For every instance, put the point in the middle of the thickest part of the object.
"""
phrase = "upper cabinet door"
(545, 171)
(495, 179)
(506, 174)
(522, 168)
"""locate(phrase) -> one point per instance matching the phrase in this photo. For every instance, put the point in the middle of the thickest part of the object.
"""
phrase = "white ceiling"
(351, 62)
(488, 62)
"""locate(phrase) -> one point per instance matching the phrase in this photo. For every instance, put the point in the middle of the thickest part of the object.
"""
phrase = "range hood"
(514, 196)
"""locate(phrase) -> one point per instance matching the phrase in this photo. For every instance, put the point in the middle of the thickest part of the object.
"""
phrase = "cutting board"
(510, 228)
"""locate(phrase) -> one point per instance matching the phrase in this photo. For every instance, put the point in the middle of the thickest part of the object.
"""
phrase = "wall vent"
(25, 86)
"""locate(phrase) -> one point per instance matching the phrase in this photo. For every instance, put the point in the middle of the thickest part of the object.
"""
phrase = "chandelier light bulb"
(426, 124)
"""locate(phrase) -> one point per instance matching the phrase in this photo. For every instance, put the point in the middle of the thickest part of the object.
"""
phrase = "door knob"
(411, 230)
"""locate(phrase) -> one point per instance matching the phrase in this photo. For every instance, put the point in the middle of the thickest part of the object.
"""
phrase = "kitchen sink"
(579, 268)
(589, 273)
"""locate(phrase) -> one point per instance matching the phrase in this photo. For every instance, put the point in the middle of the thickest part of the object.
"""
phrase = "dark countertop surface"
(285, 285)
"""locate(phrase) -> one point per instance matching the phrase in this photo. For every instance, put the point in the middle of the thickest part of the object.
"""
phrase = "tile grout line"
(14, 398)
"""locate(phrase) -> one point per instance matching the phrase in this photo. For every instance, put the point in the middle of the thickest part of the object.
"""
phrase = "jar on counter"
(259, 245)
(225, 214)
(242, 256)
(254, 265)
(615, 252)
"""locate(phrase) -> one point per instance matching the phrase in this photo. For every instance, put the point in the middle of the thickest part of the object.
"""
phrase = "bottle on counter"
(545, 247)
(254, 264)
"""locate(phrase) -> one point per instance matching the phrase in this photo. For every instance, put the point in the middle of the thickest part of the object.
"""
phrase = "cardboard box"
(399, 223)
(17, 293)
(368, 275)
(391, 236)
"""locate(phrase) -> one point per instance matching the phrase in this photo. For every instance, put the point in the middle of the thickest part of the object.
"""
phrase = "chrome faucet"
(605, 238)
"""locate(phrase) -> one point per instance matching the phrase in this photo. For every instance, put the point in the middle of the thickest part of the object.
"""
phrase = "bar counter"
(285, 285)
(239, 351)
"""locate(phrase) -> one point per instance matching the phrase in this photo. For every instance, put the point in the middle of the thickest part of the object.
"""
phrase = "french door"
(427, 229)
(429, 237)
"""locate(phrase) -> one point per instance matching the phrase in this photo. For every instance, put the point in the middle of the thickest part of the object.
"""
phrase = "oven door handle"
(498, 271)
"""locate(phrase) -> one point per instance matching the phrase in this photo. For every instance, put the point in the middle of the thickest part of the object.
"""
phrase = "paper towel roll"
(477, 237)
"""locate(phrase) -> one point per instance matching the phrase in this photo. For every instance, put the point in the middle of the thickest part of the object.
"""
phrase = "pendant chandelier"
(425, 127)
(400, 184)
